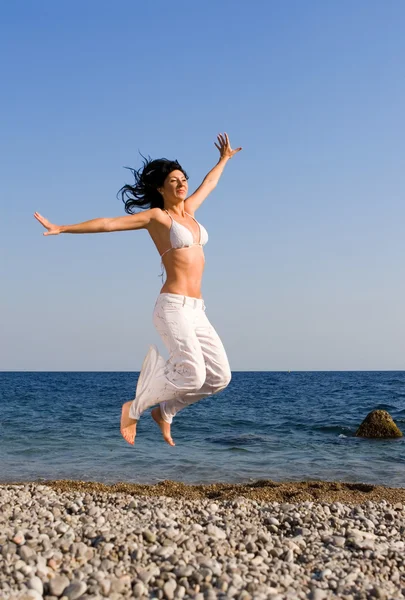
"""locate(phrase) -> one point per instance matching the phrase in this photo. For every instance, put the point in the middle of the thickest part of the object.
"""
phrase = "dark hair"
(144, 193)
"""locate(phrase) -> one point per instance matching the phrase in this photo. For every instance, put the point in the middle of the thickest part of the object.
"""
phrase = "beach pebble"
(72, 545)
(58, 584)
(164, 551)
(318, 594)
(378, 592)
(289, 556)
(121, 584)
(36, 584)
(138, 589)
(338, 541)
(19, 538)
(216, 532)
(169, 589)
(26, 553)
(31, 595)
(105, 586)
(61, 528)
(184, 571)
(149, 536)
(75, 590)
(180, 592)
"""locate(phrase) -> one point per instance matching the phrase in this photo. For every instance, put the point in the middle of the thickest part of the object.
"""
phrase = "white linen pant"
(197, 366)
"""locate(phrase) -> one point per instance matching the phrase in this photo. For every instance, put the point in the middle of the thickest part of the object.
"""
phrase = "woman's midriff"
(184, 270)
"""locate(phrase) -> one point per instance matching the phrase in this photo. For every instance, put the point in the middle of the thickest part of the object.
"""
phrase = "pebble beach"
(263, 540)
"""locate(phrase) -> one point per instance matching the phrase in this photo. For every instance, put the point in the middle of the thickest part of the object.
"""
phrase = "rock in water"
(378, 424)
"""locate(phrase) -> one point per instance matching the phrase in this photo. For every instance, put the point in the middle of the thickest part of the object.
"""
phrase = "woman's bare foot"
(164, 426)
(128, 425)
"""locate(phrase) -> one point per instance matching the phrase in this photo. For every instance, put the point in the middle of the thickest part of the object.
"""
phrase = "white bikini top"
(182, 237)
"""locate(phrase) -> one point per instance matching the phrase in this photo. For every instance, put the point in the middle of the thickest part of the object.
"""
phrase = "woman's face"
(175, 186)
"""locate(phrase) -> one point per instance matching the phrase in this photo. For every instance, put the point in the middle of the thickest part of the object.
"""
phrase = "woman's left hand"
(224, 146)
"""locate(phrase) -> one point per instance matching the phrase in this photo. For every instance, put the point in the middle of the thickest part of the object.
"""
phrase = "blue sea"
(281, 426)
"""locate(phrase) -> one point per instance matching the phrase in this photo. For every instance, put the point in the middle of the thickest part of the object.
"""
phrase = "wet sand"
(262, 490)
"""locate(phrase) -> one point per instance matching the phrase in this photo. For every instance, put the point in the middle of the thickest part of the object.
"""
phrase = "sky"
(304, 264)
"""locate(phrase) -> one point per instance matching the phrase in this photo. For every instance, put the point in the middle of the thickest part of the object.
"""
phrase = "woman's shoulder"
(157, 214)
(158, 217)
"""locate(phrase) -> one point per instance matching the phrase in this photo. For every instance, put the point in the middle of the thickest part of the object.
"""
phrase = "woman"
(197, 366)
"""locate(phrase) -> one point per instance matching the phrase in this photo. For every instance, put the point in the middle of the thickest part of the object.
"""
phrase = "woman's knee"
(191, 376)
(226, 379)
(221, 380)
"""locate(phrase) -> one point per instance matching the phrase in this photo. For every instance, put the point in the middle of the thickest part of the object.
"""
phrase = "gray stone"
(32, 595)
(378, 592)
(169, 589)
(184, 571)
(149, 536)
(216, 532)
(289, 556)
(318, 594)
(338, 541)
(62, 528)
(105, 586)
(58, 584)
(146, 575)
(164, 551)
(75, 590)
(121, 584)
(139, 589)
(26, 552)
(36, 584)
(180, 592)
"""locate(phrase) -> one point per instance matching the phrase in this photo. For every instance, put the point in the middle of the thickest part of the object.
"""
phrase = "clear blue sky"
(305, 263)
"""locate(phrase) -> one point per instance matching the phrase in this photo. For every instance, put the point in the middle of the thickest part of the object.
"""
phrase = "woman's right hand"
(50, 228)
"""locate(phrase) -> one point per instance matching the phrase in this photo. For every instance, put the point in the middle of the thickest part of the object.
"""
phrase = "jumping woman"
(197, 366)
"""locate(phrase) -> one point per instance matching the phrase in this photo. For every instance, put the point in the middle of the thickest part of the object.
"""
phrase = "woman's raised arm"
(140, 220)
(211, 179)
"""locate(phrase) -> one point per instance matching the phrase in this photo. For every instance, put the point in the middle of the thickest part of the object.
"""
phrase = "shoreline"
(265, 490)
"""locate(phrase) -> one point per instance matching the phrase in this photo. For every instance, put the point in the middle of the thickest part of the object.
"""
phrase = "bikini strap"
(166, 211)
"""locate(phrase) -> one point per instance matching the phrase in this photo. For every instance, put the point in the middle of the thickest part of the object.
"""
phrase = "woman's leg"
(218, 373)
(175, 318)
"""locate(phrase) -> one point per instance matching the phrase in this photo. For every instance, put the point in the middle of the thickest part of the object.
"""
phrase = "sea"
(284, 426)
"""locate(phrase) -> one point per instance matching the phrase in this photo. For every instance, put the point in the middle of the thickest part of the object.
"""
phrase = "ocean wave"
(241, 439)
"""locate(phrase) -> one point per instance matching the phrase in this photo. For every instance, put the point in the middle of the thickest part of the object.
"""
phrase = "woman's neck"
(177, 210)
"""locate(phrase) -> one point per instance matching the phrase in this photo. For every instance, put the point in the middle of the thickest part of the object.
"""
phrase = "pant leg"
(218, 373)
(184, 371)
